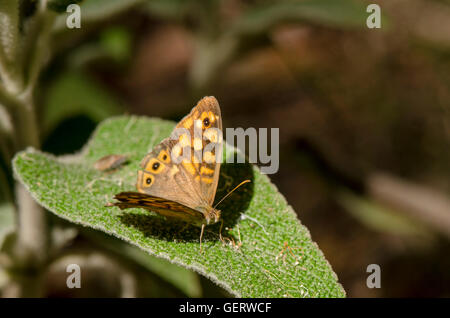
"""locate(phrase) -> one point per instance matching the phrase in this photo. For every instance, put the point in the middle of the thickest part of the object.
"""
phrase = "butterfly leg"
(220, 231)
(201, 236)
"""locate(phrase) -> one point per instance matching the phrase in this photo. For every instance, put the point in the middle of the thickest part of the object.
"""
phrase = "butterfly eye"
(154, 166)
(164, 156)
(207, 118)
(206, 122)
(145, 180)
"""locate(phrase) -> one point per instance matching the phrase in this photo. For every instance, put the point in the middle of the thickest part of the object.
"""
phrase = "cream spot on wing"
(209, 157)
(211, 134)
(184, 141)
(176, 150)
(198, 124)
(173, 171)
(212, 117)
(198, 145)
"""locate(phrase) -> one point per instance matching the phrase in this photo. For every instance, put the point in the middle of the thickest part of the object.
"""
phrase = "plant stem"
(32, 240)
(32, 230)
(32, 220)
(10, 65)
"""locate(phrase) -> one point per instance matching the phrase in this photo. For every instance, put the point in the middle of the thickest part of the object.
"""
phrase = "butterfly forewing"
(211, 153)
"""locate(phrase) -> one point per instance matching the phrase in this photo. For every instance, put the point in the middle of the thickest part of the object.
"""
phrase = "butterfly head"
(211, 214)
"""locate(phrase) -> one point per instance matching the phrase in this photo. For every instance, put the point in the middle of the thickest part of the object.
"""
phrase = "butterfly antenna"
(235, 188)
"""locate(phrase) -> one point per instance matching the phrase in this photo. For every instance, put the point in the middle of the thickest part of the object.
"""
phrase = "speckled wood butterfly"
(179, 176)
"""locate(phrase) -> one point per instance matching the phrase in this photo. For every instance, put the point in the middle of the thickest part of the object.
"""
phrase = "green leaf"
(332, 13)
(74, 93)
(256, 215)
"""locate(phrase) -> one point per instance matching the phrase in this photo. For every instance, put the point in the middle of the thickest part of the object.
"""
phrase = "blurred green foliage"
(61, 5)
(91, 100)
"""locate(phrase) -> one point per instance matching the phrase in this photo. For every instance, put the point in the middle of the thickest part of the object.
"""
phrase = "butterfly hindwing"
(162, 206)
(183, 168)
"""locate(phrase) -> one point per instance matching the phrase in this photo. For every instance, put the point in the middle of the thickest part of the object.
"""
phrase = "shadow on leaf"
(170, 229)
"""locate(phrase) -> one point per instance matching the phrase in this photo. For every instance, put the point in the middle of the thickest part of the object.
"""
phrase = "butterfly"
(178, 178)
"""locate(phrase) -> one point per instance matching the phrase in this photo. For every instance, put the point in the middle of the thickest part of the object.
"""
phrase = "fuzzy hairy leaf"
(257, 216)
